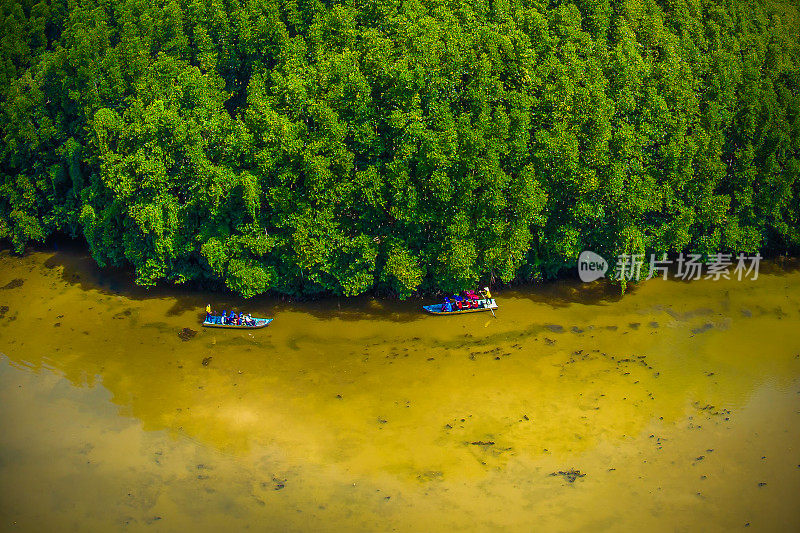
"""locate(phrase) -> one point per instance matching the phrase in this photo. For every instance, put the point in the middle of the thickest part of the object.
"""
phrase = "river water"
(673, 408)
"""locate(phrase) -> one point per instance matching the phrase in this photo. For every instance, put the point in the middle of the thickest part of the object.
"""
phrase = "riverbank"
(73, 256)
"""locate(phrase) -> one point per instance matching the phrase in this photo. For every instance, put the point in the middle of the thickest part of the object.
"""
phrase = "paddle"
(488, 302)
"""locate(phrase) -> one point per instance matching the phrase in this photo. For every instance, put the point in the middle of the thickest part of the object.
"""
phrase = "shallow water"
(679, 404)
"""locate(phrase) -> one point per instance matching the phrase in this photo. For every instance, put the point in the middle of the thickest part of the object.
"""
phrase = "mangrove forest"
(310, 147)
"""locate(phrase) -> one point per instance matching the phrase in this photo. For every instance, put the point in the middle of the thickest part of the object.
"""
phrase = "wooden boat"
(216, 322)
(486, 305)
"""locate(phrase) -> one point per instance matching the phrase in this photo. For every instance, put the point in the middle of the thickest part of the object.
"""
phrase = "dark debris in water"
(482, 443)
(555, 328)
(276, 484)
(3, 311)
(186, 334)
(207, 360)
(14, 284)
(570, 475)
(126, 313)
(705, 327)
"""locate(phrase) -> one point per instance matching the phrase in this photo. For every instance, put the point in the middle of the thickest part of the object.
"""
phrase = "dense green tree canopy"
(339, 146)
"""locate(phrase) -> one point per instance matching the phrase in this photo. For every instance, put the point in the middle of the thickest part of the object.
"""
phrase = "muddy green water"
(679, 404)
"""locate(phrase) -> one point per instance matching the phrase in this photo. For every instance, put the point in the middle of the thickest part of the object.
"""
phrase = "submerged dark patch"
(570, 475)
(186, 333)
(705, 327)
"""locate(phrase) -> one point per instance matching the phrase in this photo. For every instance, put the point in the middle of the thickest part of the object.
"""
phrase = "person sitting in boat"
(208, 313)
(239, 318)
(447, 306)
(223, 319)
(248, 320)
(232, 318)
(486, 294)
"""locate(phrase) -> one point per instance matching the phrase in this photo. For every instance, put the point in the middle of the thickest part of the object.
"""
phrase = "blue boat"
(483, 305)
(216, 322)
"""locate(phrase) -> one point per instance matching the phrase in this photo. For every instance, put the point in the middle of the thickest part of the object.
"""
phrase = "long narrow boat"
(216, 322)
(485, 305)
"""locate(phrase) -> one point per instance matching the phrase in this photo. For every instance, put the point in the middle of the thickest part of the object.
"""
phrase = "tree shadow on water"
(780, 266)
(78, 268)
(365, 308)
(565, 292)
(770, 266)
